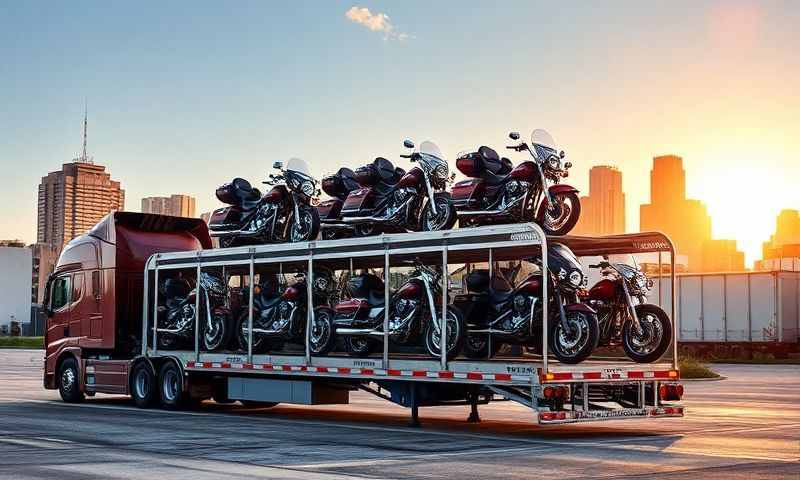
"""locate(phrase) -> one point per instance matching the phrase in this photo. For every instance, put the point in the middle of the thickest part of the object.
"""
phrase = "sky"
(183, 96)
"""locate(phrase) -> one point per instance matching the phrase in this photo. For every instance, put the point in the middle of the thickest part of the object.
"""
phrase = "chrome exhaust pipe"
(468, 213)
(359, 332)
(355, 220)
(240, 233)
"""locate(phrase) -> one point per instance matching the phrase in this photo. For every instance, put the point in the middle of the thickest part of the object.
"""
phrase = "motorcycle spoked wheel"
(477, 346)
(322, 339)
(576, 346)
(168, 341)
(655, 337)
(562, 217)
(216, 335)
(305, 228)
(445, 216)
(455, 334)
(360, 346)
(260, 344)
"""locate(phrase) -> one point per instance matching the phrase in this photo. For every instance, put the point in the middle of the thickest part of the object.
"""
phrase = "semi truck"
(106, 297)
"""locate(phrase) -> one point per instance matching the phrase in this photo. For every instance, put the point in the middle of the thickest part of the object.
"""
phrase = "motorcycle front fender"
(580, 307)
(561, 188)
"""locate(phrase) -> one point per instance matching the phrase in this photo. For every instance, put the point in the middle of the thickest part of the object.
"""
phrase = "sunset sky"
(185, 95)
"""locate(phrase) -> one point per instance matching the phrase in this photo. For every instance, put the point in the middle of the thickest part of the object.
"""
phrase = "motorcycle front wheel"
(322, 339)
(561, 217)
(455, 335)
(443, 219)
(259, 343)
(216, 334)
(360, 346)
(306, 227)
(575, 346)
(477, 346)
(654, 339)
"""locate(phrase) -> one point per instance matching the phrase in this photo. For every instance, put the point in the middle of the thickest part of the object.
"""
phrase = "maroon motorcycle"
(393, 200)
(498, 192)
(338, 186)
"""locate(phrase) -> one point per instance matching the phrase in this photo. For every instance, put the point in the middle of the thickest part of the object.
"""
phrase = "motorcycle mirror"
(513, 135)
(561, 154)
(277, 165)
(408, 143)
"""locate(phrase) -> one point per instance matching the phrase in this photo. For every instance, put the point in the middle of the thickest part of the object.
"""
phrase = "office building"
(175, 205)
(15, 286)
(603, 210)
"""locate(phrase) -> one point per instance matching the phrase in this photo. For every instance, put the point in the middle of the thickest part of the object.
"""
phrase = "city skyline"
(164, 118)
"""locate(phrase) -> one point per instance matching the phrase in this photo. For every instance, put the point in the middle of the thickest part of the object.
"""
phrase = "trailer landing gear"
(414, 422)
(473, 409)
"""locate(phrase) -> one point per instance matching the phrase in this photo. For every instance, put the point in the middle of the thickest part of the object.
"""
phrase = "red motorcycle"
(625, 317)
(498, 192)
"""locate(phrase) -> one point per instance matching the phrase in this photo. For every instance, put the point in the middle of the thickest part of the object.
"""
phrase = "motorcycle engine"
(403, 194)
(403, 309)
(283, 317)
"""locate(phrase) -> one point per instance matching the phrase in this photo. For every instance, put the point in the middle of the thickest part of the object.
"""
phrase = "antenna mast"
(84, 158)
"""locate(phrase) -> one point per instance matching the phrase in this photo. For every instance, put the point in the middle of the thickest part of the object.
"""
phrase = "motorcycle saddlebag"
(225, 218)
(359, 202)
(236, 192)
(330, 209)
(468, 193)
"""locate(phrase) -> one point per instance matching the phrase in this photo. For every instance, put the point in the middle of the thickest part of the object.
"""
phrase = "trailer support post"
(309, 305)
(414, 422)
(197, 312)
(386, 304)
(250, 308)
(491, 292)
(443, 331)
(155, 308)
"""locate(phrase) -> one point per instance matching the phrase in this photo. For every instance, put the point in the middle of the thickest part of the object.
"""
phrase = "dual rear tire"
(167, 388)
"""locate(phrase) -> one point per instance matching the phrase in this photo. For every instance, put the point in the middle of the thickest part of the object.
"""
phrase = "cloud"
(376, 22)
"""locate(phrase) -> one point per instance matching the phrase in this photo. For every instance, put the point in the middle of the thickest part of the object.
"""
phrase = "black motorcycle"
(176, 317)
(506, 313)
(279, 314)
(393, 200)
(414, 315)
(284, 214)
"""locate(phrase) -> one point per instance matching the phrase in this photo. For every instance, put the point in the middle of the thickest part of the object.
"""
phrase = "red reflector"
(679, 390)
(549, 392)
(663, 391)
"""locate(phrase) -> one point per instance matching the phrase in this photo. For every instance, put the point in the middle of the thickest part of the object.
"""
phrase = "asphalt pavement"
(747, 426)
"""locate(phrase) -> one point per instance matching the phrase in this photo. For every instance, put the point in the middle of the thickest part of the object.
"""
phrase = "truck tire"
(143, 386)
(69, 381)
(171, 390)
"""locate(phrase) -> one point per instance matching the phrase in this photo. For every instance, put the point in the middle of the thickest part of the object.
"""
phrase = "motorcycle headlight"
(307, 188)
(554, 163)
(576, 278)
(321, 283)
(440, 172)
(641, 282)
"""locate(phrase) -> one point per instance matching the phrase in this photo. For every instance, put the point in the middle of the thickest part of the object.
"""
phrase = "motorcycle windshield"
(300, 166)
(430, 149)
(543, 144)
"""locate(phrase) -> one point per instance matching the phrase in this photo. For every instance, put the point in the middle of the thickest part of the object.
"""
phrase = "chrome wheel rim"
(452, 333)
(650, 338)
(557, 215)
(213, 334)
(436, 221)
(301, 228)
(573, 344)
(68, 379)
(320, 331)
(169, 386)
(142, 384)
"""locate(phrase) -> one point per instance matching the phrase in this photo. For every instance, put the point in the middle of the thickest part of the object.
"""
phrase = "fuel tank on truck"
(105, 266)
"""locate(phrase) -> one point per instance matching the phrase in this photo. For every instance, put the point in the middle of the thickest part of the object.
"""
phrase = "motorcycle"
(338, 186)
(643, 329)
(414, 315)
(284, 214)
(280, 316)
(506, 313)
(176, 318)
(397, 201)
(498, 192)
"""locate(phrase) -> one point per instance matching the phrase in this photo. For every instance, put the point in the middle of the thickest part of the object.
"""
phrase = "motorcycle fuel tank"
(411, 289)
(531, 285)
(293, 293)
(468, 193)
(411, 179)
(525, 171)
(605, 289)
(276, 194)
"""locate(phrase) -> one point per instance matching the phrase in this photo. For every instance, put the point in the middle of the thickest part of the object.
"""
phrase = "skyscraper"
(782, 250)
(603, 210)
(73, 199)
(175, 205)
(685, 221)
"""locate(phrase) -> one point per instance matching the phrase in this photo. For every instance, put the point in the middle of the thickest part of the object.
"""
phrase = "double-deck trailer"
(103, 303)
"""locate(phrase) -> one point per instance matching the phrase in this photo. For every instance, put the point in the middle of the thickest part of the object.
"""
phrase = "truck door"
(58, 326)
(78, 314)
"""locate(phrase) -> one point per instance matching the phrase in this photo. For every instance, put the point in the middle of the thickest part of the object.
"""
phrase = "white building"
(15, 285)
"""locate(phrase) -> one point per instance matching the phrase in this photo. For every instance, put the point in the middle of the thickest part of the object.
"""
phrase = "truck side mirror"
(513, 135)
(408, 143)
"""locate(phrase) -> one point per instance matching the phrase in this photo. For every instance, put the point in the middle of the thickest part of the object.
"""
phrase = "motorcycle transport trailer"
(595, 389)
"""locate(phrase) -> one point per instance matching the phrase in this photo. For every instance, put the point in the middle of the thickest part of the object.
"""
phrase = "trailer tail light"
(671, 391)
(558, 392)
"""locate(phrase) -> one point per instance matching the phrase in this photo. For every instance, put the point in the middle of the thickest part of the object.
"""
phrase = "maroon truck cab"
(93, 298)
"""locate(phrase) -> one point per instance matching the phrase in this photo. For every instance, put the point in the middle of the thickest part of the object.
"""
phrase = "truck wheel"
(170, 380)
(143, 386)
(69, 381)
